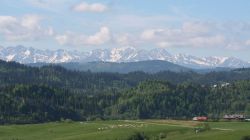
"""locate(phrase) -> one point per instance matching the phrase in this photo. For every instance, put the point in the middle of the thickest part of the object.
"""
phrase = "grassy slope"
(120, 130)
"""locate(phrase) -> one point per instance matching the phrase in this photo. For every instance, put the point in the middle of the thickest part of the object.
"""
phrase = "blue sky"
(196, 27)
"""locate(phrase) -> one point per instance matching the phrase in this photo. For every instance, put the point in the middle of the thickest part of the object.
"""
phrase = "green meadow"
(122, 130)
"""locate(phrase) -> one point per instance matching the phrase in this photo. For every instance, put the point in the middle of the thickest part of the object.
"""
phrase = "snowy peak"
(123, 54)
(188, 60)
(233, 62)
(160, 54)
(26, 55)
(30, 55)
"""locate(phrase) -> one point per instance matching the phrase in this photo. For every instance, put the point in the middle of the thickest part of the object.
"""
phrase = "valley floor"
(121, 130)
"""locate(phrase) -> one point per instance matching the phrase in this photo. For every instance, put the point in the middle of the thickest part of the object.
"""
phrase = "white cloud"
(163, 44)
(86, 7)
(25, 28)
(151, 33)
(139, 22)
(148, 34)
(247, 42)
(190, 34)
(236, 45)
(196, 27)
(30, 21)
(101, 37)
(127, 39)
(49, 5)
(5, 20)
(39, 3)
(123, 39)
(62, 39)
(207, 41)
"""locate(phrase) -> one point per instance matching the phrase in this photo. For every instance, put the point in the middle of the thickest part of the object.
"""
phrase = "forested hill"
(152, 66)
(14, 73)
(52, 93)
(150, 99)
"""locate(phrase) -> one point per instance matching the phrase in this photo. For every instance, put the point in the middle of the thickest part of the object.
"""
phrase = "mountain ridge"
(152, 66)
(26, 55)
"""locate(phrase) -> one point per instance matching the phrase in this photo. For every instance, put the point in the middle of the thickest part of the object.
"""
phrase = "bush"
(202, 128)
(206, 127)
(66, 120)
(245, 138)
(159, 137)
(94, 118)
(138, 136)
(162, 135)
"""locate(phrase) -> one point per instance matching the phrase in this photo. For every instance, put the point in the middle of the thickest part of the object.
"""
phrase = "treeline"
(51, 93)
(12, 73)
(150, 99)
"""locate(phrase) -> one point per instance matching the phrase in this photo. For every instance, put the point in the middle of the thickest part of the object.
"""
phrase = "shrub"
(202, 128)
(138, 136)
(66, 120)
(206, 127)
(246, 138)
(162, 135)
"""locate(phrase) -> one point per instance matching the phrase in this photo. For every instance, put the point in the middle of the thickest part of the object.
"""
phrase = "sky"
(195, 27)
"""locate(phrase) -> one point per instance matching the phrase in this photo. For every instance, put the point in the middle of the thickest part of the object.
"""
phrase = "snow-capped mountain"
(30, 55)
(129, 54)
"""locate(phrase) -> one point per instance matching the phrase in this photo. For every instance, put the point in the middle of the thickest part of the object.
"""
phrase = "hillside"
(50, 93)
(152, 66)
(145, 66)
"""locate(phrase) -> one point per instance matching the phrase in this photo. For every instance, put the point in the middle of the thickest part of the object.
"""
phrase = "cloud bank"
(27, 27)
(69, 38)
(86, 7)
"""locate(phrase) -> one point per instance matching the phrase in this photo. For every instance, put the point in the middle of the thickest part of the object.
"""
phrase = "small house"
(234, 117)
(201, 118)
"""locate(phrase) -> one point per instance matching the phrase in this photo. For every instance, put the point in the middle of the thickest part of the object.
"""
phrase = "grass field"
(121, 130)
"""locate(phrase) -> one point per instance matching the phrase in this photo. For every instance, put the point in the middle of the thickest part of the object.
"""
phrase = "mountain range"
(27, 55)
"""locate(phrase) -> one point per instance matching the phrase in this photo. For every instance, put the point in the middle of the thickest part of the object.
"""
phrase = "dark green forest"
(52, 93)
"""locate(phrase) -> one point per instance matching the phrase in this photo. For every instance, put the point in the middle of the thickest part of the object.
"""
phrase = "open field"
(121, 130)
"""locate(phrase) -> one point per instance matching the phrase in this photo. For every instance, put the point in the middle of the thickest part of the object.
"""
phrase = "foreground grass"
(121, 130)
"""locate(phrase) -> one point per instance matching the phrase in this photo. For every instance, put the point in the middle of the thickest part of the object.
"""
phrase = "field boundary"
(184, 126)
(154, 123)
